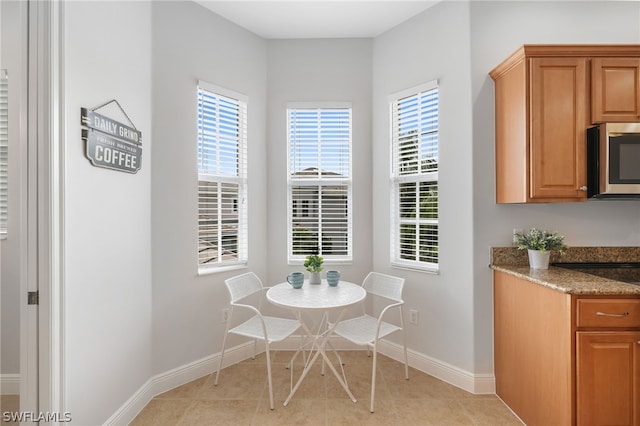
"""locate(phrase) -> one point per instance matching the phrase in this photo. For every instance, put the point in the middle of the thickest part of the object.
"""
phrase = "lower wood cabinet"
(562, 359)
(607, 378)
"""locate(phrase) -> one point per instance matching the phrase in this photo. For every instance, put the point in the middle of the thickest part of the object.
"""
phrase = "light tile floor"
(242, 398)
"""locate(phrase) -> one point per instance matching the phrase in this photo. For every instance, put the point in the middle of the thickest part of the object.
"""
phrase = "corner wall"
(190, 43)
(319, 70)
(432, 46)
(107, 231)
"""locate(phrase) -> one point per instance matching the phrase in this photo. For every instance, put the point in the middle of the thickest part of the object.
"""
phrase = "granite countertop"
(515, 262)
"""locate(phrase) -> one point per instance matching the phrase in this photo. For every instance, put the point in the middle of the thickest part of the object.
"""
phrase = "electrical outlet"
(515, 231)
(224, 315)
(413, 316)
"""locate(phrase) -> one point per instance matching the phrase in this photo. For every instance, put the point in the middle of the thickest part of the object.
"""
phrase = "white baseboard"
(177, 377)
(473, 383)
(9, 384)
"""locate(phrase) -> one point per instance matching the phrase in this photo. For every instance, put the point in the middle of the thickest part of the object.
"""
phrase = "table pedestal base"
(318, 347)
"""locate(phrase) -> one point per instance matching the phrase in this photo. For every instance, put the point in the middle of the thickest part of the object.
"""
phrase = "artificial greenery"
(313, 263)
(535, 239)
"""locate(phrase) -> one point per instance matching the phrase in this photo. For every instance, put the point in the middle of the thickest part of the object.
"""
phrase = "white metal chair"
(246, 292)
(384, 293)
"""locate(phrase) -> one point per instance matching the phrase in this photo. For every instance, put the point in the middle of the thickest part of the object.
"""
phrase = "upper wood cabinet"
(615, 87)
(544, 103)
(558, 129)
(541, 122)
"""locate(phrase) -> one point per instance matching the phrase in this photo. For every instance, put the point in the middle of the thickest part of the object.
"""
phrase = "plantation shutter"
(319, 182)
(4, 151)
(222, 178)
(414, 178)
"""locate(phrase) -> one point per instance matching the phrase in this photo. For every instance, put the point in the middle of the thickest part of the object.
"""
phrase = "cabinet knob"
(583, 188)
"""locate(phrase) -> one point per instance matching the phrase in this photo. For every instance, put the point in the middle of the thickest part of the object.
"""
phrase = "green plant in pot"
(539, 243)
(313, 263)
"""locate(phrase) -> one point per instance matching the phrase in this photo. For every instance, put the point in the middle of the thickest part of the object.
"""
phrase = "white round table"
(320, 297)
(323, 298)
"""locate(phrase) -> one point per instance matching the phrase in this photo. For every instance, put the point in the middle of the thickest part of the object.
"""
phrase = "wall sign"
(109, 143)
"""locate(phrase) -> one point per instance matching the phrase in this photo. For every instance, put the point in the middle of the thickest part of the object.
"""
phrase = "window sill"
(296, 262)
(218, 269)
(416, 268)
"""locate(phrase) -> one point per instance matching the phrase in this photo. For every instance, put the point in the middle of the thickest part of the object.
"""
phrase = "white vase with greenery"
(538, 259)
(313, 263)
(539, 244)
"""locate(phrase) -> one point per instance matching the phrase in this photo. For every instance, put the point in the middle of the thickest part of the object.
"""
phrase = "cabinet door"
(558, 123)
(608, 378)
(615, 85)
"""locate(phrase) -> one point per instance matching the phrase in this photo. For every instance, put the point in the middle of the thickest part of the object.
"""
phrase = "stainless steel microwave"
(613, 160)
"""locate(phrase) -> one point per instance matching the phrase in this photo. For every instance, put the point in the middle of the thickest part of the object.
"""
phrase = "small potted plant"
(539, 244)
(313, 263)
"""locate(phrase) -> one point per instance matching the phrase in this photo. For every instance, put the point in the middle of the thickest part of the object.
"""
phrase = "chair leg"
(271, 406)
(406, 363)
(373, 375)
(224, 342)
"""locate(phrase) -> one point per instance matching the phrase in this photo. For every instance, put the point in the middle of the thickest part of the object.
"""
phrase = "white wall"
(319, 70)
(107, 232)
(432, 46)
(191, 43)
(594, 223)
(13, 58)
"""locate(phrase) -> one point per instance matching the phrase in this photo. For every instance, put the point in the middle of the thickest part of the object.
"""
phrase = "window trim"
(396, 179)
(241, 180)
(348, 182)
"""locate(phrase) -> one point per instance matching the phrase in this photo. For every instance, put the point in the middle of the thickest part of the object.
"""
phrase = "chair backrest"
(382, 285)
(242, 286)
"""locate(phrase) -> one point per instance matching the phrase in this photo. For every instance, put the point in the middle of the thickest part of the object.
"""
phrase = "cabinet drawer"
(622, 313)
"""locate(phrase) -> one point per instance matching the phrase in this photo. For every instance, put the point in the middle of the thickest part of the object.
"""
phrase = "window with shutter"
(4, 152)
(222, 178)
(319, 182)
(414, 177)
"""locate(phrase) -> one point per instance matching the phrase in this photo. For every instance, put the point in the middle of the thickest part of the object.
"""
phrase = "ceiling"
(317, 19)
